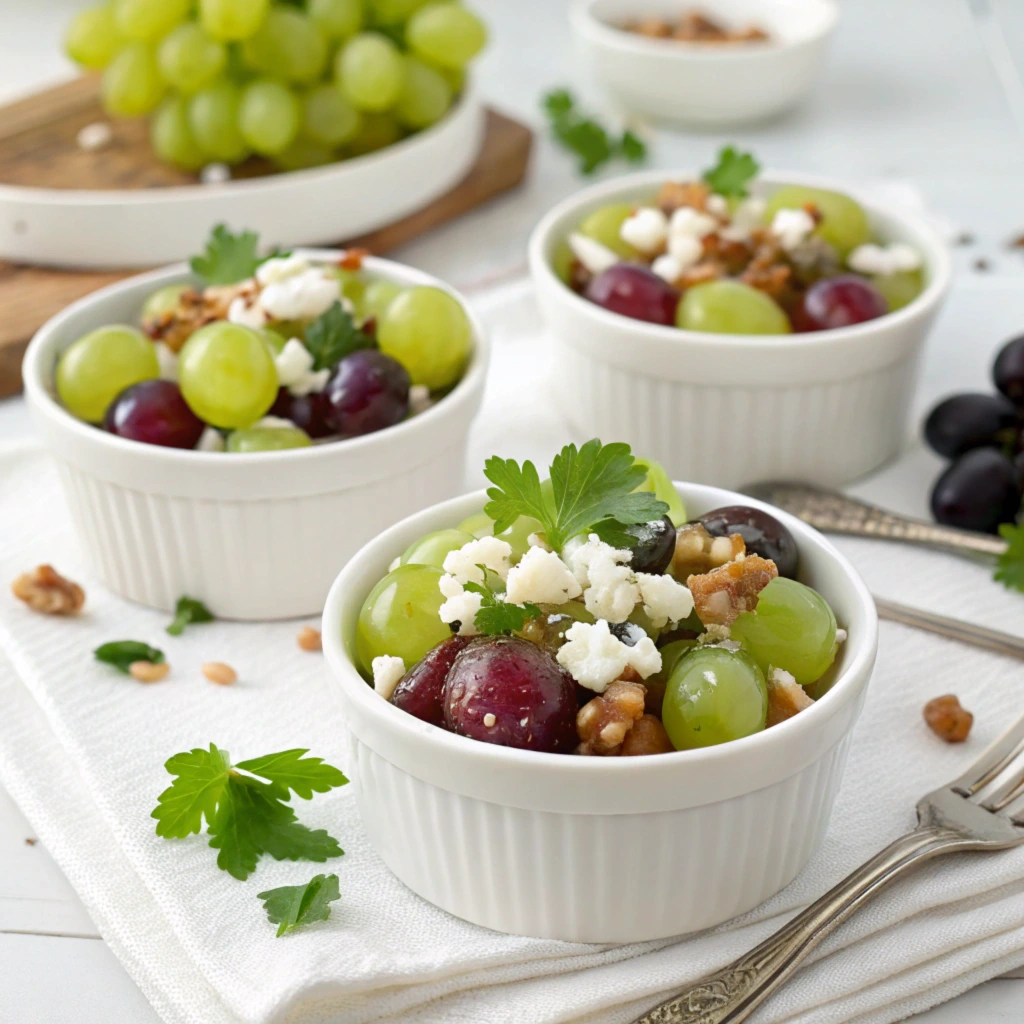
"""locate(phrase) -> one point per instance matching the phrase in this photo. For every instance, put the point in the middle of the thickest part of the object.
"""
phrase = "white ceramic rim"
(936, 257)
(598, 31)
(171, 195)
(544, 773)
(36, 374)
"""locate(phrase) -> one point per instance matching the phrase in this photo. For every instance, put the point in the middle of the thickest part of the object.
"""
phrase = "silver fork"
(974, 812)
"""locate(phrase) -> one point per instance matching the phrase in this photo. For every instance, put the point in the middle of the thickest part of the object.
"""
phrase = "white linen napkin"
(82, 750)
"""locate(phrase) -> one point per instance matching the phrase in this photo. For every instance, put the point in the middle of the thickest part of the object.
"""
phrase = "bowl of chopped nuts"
(574, 740)
(723, 63)
(739, 326)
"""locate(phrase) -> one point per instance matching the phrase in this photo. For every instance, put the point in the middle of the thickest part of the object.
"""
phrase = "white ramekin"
(255, 536)
(706, 84)
(597, 849)
(731, 409)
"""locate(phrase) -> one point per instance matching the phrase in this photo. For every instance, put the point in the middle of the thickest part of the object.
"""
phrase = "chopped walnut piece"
(786, 697)
(647, 736)
(309, 639)
(675, 194)
(352, 259)
(602, 723)
(653, 28)
(193, 310)
(698, 552)
(720, 595)
(45, 590)
(700, 274)
(947, 719)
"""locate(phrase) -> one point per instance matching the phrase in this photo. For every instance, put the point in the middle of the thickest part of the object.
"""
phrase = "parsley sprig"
(228, 258)
(1010, 568)
(246, 814)
(187, 611)
(593, 488)
(495, 616)
(585, 136)
(334, 335)
(122, 654)
(733, 172)
(290, 906)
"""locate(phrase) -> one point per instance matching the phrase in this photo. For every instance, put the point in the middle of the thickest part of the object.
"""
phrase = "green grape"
(132, 85)
(477, 525)
(353, 285)
(92, 38)
(275, 341)
(329, 118)
(393, 12)
(97, 367)
(369, 71)
(844, 223)
(267, 439)
(730, 307)
(714, 696)
(899, 289)
(269, 116)
(562, 261)
(171, 137)
(189, 59)
(428, 332)
(660, 483)
(792, 628)
(337, 19)
(604, 224)
(431, 549)
(376, 131)
(376, 299)
(302, 154)
(400, 616)
(213, 117)
(227, 375)
(229, 20)
(425, 96)
(163, 300)
(287, 45)
(446, 34)
(149, 20)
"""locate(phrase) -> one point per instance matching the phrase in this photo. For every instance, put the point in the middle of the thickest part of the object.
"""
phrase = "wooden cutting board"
(37, 146)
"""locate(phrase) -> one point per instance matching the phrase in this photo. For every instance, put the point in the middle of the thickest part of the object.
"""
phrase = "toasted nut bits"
(219, 673)
(647, 736)
(698, 552)
(194, 309)
(786, 697)
(720, 595)
(602, 723)
(947, 719)
(45, 590)
(149, 671)
(309, 639)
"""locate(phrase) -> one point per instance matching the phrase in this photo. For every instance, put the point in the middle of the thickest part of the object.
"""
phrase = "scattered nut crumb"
(982, 265)
(31, 842)
(786, 697)
(219, 673)
(149, 671)
(947, 719)
(309, 639)
(1017, 242)
(45, 590)
(94, 136)
(648, 736)
(352, 259)
(965, 238)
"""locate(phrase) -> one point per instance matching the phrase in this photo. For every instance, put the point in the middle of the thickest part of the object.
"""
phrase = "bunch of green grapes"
(302, 83)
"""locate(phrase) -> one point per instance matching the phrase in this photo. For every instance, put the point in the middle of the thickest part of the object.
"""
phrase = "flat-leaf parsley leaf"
(733, 172)
(334, 335)
(187, 611)
(289, 906)
(228, 258)
(123, 653)
(1010, 569)
(495, 617)
(585, 136)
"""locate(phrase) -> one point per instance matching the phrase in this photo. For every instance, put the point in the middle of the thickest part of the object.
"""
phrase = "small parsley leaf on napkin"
(290, 906)
(586, 137)
(1010, 568)
(495, 617)
(246, 816)
(123, 653)
(187, 611)
(593, 487)
(334, 335)
(733, 172)
(228, 258)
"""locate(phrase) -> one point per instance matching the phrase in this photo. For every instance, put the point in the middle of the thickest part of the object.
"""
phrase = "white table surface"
(920, 92)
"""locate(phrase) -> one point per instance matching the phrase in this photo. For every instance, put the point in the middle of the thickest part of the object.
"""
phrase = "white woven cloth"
(82, 750)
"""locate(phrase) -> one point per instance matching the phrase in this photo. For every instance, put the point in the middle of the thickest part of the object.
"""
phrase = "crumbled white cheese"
(215, 174)
(791, 227)
(295, 371)
(460, 605)
(301, 296)
(668, 268)
(94, 136)
(780, 677)
(884, 259)
(280, 268)
(646, 229)
(579, 554)
(841, 635)
(664, 599)
(541, 577)
(387, 671)
(240, 312)
(595, 657)
(717, 205)
(714, 633)
(419, 399)
(687, 222)
(611, 590)
(750, 212)
(210, 440)
(594, 256)
(489, 552)
(535, 540)
(273, 422)
(167, 360)
(489, 720)
(687, 250)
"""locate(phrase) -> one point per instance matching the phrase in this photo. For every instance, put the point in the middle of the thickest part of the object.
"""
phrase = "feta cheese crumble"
(210, 440)
(419, 399)
(665, 600)
(595, 657)
(718, 205)
(280, 268)
(791, 227)
(460, 605)
(841, 635)
(167, 360)
(387, 671)
(215, 174)
(241, 312)
(302, 295)
(541, 577)
(596, 257)
(611, 590)
(687, 222)
(646, 229)
(884, 259)
(295, 371)
(273, 423)
(490, 552)
(94, 136)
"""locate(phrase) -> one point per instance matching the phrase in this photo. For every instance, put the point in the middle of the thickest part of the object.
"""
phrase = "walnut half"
(602, 723)
(45, 590)
(720, 595)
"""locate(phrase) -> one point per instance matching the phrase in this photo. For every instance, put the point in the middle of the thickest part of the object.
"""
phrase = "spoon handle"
(952, 629)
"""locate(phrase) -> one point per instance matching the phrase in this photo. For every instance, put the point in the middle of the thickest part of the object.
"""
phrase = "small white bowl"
(591, 849)
(734, 409)
(255, 536)
(706, 83)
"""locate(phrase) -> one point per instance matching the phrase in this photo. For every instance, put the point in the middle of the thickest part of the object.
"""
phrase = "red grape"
(419, 690)
(1008, 371)
(636, 292)
(307, 412)
(978, 491)
(154, 412)
(838, 302)
(762, 533)
(367, 391)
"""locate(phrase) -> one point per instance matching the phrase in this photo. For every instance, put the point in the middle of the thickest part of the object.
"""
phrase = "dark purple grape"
(508, 691)
(154, 412)
(839, 301)
(636, 292)
(307, 412)
(962, 422)
(1008, 370)
(419, 690)
(977, 492)
(656, 543)
(368, 391)
(762, 533)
